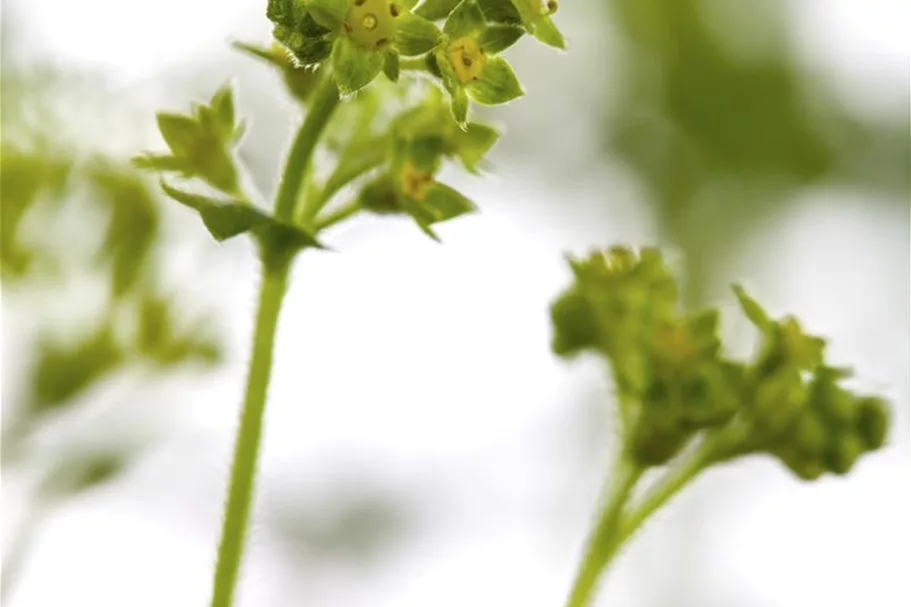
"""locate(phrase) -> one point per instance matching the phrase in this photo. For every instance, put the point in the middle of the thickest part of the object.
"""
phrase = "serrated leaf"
(329, 13)
(466, 20)
(227, 218)
(497, 84)
(391, 66)
(415, 35)
(354, 66)
(497, 38)
(435, 10)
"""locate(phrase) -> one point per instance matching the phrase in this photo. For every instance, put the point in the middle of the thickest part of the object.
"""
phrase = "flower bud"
(872, 422)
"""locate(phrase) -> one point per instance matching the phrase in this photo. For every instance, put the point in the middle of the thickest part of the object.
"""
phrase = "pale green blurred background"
(423, 447)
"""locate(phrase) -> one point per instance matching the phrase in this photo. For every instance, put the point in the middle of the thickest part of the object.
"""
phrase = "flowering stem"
(601, 543)
(666, 488)
(324, 102)
(276, 265)
(246, 450)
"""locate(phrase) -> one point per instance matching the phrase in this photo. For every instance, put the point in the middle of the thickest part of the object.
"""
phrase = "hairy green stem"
(676, 479)
(601, 542)
(276, 265)
(376, 152)
(341, 213)
(246, 450)
(324, 102)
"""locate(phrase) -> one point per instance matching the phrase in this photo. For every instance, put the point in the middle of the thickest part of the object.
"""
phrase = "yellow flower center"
(414, 182)
(372, 22)
(467, 59)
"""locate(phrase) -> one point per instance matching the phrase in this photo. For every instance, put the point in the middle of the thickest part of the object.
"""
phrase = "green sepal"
(872, 422)
(751, 308)
(391, 66)
(179, 132)
(354, 66)
(227, 218)
(547, 32)
(415, 35)
(380, 196)
(300, 81)
(329, 13)
(466, 20)
(457, 95)
(497, 38)
(434, 10)
(222, 105)
(473, 143)
(500, 11)
(440, 203)
(496, 84)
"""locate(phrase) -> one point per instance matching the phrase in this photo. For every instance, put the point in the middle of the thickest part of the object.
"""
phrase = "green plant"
(685, 405)
(387, 88)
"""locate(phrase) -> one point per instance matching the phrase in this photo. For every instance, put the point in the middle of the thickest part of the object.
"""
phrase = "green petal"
(354, 66)
(436, 9)
(497, 38)
(329, 13)
(415, 35)
(497, 84)
(466, 20)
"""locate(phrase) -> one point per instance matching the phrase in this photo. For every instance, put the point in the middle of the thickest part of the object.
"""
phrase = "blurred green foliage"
(71, 216)
(722, 140)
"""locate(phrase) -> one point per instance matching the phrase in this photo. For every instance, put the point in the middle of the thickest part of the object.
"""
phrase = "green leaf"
(752, 309)
(63, 372)
(415, 35)
(329, 13)
(500, 11)
(223, 110)
(179, 132)
(466, 20)
(497, 84)
(227, 218)
(160, 162)
(425, 153)
(497, 38)
(391, 66)
(354, 66)
(435, 10)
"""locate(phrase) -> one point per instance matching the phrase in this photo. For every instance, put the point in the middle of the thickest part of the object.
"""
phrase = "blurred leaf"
(62, 372)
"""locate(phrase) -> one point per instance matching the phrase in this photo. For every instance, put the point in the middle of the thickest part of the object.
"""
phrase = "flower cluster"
(360, 39)
(674, 382)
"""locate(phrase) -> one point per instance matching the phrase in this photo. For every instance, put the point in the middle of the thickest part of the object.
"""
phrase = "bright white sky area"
(436, 376)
